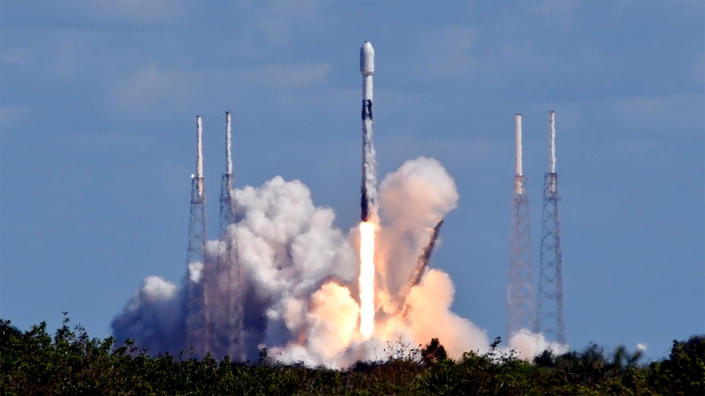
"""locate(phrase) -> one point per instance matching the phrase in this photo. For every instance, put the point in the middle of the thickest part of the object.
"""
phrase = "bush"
(71, 362)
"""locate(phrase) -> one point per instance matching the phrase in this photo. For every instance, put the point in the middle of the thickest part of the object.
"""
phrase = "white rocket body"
(369, 163)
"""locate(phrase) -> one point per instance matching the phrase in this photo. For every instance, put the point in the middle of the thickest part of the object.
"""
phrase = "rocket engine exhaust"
(367, 279)
(368, 199)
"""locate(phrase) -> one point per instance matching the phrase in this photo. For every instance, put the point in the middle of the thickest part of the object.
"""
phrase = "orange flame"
(367, 279)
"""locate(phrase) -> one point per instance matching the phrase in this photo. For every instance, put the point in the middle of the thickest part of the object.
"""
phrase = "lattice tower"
(230, 339)
(195, 299)
(520, 291)
(549, 319)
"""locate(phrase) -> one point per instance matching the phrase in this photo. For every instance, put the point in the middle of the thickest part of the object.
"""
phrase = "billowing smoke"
(153, 317)
(298, 279)
(527, 344)
(412, 202)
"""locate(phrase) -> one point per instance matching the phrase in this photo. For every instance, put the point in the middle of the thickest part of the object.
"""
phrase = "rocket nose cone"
(367, 59)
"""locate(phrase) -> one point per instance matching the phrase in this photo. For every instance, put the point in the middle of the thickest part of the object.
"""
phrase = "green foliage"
(683, 373)
(70, 362)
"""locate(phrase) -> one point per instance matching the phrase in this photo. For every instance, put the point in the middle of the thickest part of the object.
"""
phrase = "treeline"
(71, 362)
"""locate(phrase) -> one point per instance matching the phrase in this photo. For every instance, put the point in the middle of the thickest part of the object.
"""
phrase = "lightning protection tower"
(227, 214)
(228, 336)
(520, 292)
(195, 299)
(549, 319)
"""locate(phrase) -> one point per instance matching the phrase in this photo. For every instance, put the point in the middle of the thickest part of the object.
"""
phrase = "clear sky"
(97, 118)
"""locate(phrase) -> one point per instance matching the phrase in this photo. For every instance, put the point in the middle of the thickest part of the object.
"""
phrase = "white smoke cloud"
(330, 326)
(296, 280)
(412, 201)
(527, 345)
(429, 316)
(153, 317)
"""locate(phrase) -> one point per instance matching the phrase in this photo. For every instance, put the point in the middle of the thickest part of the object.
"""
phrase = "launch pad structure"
(549, 318)
(227, 181)
(230, 341)
(214, 328)
(218, 328)
(520, 291)
(195, 298)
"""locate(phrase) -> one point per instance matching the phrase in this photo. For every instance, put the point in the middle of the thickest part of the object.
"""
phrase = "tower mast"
(549, 319)
(227, 182)
(229, 338)
(195, 298)
(520, 292)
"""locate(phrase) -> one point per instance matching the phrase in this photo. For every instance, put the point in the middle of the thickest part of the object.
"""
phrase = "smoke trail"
(299, 278)
(421, 265)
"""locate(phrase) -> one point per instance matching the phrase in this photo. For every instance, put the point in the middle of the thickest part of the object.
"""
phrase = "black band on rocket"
(366, 109)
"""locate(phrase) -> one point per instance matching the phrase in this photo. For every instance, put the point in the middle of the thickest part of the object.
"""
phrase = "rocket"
(368, 200)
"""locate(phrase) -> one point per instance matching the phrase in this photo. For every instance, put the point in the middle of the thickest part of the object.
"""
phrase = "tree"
(433, 353)
(684, 371)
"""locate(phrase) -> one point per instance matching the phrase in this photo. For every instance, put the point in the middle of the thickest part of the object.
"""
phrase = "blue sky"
(97, 109)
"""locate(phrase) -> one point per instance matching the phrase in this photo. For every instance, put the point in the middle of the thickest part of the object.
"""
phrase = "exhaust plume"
(300, 278)
(367, 279)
